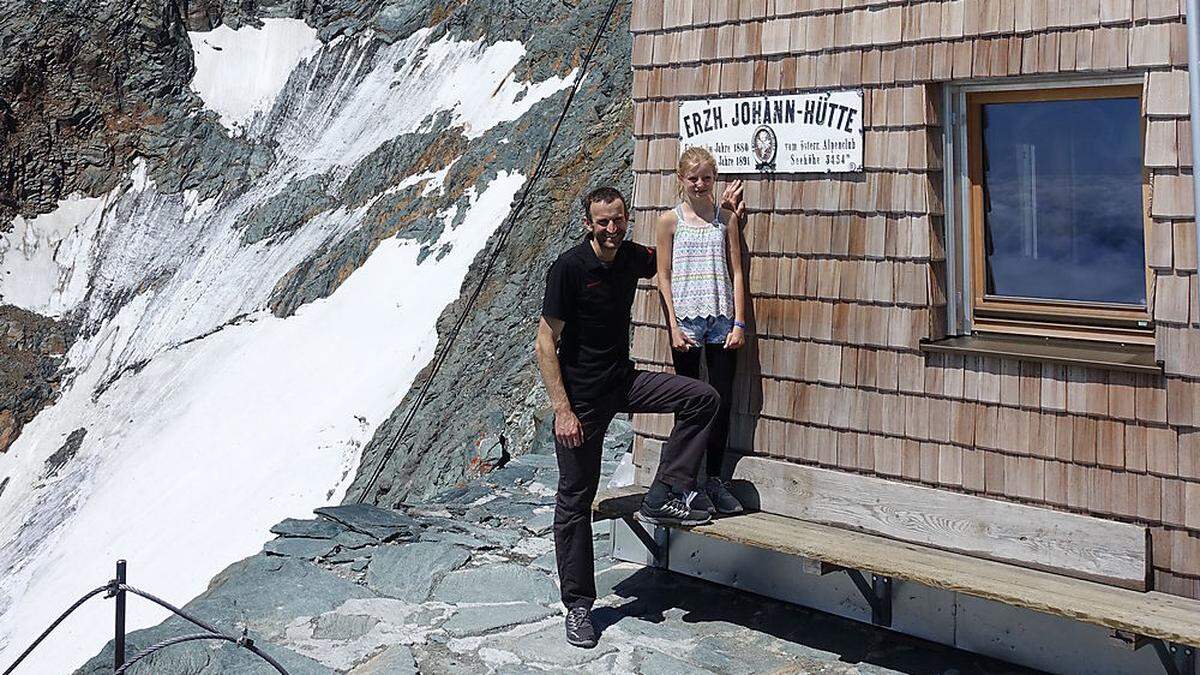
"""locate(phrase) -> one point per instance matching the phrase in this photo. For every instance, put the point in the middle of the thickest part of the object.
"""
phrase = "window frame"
(971, 310)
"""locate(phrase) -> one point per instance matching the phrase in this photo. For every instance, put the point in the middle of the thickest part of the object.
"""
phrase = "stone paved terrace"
(465, 583)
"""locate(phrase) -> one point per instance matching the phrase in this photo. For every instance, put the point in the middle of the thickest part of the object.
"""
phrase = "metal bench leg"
(878, 594)
(657, 545)
(1176, 659)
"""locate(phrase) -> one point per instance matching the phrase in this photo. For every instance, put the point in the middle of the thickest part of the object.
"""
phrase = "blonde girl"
(703, 292)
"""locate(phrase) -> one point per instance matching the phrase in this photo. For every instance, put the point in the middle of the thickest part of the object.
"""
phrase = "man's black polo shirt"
(593, 299)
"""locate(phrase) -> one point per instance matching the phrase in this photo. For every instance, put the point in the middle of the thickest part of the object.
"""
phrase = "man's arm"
(567, 429)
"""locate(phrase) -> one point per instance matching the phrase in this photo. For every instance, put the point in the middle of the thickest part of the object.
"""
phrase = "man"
(589, 378)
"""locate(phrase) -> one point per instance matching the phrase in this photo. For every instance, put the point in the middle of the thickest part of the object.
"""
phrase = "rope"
(179, 639)
(166, 605)
(491, 260)
(61, 617)
(112, 588)
(214, 634)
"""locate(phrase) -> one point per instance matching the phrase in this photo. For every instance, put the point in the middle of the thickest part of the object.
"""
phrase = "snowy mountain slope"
(253, 301)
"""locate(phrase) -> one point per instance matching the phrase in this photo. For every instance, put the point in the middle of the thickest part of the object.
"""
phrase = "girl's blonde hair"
(690, 159)
(694, 157)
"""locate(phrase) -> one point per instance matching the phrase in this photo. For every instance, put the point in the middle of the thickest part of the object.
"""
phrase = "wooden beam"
(1065, 543)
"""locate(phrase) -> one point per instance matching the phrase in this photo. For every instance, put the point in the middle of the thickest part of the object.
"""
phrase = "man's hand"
(567, 428)
(679, 341)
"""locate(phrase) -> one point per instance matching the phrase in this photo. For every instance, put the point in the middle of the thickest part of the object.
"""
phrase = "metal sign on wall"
(790, 133)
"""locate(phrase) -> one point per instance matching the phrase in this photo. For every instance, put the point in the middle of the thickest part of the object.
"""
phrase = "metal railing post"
(119, 624)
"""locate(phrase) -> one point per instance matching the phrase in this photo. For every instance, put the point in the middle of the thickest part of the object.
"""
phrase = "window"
(1053, 212)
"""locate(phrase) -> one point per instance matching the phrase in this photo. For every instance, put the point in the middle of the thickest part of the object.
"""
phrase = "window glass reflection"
(1063, 200)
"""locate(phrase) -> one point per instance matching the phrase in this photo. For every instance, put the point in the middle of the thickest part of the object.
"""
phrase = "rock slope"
(465, 582)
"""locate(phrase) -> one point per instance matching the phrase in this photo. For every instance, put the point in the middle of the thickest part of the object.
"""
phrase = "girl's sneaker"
(721, 499)
(698, 499)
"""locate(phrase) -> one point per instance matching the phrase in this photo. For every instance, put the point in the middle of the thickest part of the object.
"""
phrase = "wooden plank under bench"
(1149, 614)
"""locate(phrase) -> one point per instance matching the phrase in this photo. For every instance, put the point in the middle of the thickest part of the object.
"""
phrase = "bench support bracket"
(878, 594)
(1176, 659)
(656, 544)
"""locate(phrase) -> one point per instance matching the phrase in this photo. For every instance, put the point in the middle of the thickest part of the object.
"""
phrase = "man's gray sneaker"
(721, 499)
(674, 511)
(580, 631)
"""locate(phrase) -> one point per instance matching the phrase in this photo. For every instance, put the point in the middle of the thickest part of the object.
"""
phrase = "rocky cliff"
(488, 393)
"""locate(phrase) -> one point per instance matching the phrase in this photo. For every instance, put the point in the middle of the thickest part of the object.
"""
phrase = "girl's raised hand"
(731, 198)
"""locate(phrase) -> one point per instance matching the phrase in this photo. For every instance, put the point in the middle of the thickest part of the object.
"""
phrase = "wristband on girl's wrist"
(739, 324)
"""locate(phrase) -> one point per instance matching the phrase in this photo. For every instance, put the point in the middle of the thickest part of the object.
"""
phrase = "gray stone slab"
(546, 561)
(469, 494)
(396, 660)
(457, 538)
(502, 537)
(511, 475)
(408, 571)
(315, 529)
(343, 626)
(537, 461)
(352, 539)
(346, 555)
(659, 663)
(497, 583)
(478, 514)
(744, 652)
(299, 547)
(379, 523)
(478, 620)
(540, 523)
(651, 627)
(506, 508)
(549, 646)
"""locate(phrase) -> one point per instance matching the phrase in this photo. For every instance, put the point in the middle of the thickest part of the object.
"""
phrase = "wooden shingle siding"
(848, 271)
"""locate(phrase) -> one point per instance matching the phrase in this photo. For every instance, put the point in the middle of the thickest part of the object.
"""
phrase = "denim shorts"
(707, 330)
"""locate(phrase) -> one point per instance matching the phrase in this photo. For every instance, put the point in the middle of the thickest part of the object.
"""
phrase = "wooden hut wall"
(848, 270)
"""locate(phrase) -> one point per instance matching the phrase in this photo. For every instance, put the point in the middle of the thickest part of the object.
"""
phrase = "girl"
(704, 298)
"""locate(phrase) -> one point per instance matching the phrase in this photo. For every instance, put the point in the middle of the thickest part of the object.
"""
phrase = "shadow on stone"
(651, 594)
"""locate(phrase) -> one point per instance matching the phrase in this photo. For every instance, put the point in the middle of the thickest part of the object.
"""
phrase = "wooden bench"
(1170, 623)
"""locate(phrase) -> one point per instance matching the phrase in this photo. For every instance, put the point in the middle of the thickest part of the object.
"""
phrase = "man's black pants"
(695, 407)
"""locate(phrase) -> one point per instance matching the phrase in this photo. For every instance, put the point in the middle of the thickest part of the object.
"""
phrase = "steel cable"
(213, 632)
(179, 639)
(112, 587)
(61, 617)
(166, 605)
